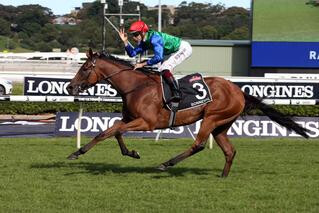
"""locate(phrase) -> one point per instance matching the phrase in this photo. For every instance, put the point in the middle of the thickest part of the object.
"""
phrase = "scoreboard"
(285, 34)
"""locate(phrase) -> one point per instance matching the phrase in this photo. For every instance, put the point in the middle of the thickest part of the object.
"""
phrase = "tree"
(4, 27)
(35, 15)
(238, 34)
(49, 32)
(44, 47)
(209, 32)
(32, 28)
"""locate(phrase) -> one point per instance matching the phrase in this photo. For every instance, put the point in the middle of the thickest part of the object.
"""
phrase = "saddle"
(194, 91)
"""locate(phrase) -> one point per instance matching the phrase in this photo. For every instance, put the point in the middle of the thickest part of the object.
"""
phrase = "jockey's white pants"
(184, 52)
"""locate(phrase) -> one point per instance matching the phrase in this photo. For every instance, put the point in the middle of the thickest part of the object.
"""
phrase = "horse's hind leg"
(221, 138)
(198, 145)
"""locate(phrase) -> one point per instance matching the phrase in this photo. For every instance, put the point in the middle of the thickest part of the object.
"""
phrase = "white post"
(211, 141)
(158, 135)
(159, 16)
(78, 132)
(190, 132)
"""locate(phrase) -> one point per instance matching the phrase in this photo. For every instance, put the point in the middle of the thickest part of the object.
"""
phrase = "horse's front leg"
(117, 129)
(102, 136)
(124, 150)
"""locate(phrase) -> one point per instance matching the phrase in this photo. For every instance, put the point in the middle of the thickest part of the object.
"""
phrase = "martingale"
(194, 92)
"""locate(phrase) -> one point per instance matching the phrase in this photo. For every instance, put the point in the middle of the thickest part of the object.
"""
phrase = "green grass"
(17, 89)
(267, 176)
(285, 20)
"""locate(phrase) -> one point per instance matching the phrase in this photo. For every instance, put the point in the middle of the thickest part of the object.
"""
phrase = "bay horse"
(144, 110)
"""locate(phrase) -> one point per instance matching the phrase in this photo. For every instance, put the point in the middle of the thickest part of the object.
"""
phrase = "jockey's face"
(138, 37)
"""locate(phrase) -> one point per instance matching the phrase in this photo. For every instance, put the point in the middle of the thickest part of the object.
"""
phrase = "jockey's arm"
(158, 48)
(133, 51)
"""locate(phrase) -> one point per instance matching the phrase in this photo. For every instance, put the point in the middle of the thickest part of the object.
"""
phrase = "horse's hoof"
(135, 154)
(162, 168)
(72, 157)
(223, 176)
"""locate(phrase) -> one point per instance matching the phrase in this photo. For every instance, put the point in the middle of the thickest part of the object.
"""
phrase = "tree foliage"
(32, 25)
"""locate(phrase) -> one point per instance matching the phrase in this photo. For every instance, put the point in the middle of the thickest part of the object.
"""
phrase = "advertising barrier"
(273, 91)
(57, 87)
(248, 126)
(281, 91)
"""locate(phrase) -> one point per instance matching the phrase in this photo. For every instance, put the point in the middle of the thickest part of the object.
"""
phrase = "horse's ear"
(89, 53)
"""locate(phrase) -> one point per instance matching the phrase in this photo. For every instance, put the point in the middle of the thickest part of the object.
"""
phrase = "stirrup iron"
(172, 117)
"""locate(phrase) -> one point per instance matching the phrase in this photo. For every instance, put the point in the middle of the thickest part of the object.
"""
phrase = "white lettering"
(313, 127)
(313, 55)
(264, 129)
(101, 89)
(112, 91)
(255, 127)
(236, 128)
(279, 91)
(30, 88)
(64, 127)
(276, 127)
(57, 87)
(86, 124)
(43, 84)
(99, 125)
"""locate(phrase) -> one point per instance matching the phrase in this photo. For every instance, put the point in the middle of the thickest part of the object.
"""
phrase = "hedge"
(294, 110)
(52, 107)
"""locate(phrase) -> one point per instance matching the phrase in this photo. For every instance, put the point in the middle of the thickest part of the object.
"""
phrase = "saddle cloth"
(194, 92)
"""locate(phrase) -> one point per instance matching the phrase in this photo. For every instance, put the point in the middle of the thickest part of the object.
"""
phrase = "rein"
(108, 77)
(111, 75)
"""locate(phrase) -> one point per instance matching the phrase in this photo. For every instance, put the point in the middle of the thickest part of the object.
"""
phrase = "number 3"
(200, 88)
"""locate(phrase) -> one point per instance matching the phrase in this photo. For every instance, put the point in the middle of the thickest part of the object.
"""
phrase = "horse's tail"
(252, 102)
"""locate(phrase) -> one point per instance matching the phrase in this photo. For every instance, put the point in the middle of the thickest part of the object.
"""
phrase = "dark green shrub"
(29, 108)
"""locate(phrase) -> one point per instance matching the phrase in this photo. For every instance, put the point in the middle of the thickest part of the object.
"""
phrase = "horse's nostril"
(69, 88)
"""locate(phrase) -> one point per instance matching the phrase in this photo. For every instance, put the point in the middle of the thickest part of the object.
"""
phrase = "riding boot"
(172, 83)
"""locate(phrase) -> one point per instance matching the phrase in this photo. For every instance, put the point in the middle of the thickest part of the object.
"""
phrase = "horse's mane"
(107, 56)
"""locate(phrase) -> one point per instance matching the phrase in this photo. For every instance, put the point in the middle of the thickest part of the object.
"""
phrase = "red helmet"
(138, 26)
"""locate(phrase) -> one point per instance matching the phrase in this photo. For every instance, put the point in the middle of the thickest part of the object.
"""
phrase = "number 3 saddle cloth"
(193, 89)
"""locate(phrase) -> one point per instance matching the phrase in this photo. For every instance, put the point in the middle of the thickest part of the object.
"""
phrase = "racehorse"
(144, 110)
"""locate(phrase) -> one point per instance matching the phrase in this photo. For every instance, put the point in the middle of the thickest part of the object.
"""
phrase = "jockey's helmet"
(138, 26)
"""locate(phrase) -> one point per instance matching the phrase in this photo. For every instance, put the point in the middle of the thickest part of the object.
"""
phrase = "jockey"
(162, 45)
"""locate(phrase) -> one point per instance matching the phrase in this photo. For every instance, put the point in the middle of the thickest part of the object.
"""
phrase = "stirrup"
(176, 97)
(172, 117)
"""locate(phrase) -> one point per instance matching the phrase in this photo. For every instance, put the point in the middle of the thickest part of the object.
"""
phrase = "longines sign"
(276, 90)
(248, 126)
(57, 87)
(264, 88)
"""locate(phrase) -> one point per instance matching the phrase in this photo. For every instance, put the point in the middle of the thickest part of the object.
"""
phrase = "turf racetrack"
(267, 176)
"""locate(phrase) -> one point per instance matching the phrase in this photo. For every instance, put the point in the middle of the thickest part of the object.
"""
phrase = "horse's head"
(87, 75)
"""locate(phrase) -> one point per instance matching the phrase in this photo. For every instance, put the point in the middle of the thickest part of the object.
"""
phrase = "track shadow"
(104, 168)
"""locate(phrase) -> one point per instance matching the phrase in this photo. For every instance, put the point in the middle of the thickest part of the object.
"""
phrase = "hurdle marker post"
(211, 141)
(78, 132)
